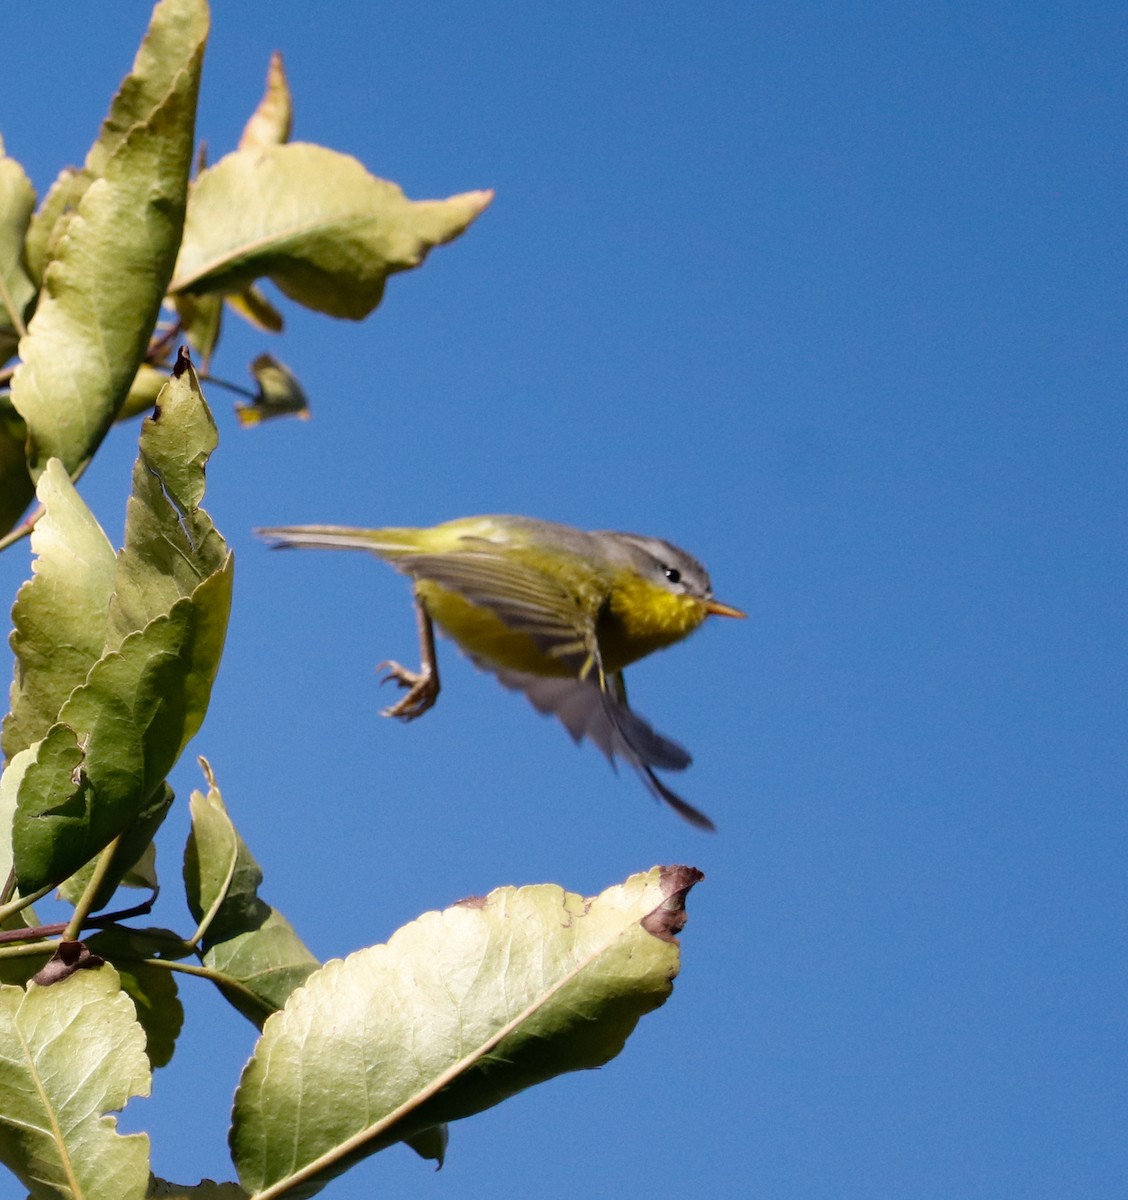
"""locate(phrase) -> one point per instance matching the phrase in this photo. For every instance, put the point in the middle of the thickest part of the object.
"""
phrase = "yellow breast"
(641, 617)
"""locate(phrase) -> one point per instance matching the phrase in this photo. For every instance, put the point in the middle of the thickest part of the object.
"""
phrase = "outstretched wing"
(524, 598)
(602, 715)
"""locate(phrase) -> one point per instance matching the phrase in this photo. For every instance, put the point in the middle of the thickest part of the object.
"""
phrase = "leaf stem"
(31, 949)
(217, 903)
(22, 529)
(14, 315)
(21, 902)
(228, 386)
(86, 900)
(217, 977)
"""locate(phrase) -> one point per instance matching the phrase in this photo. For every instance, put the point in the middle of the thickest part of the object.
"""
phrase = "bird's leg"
(422, 685)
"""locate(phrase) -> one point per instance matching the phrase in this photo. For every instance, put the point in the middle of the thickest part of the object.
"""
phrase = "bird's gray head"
(664, 564)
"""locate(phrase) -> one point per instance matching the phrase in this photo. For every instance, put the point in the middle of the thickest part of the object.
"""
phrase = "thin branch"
(36, 932)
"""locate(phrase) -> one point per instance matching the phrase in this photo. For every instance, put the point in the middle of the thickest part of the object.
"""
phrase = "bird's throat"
(640, 618)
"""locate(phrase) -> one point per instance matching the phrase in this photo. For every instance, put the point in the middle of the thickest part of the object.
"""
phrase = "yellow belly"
(483, 635)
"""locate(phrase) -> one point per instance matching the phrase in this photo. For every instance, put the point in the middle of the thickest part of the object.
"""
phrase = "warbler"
(551, 611)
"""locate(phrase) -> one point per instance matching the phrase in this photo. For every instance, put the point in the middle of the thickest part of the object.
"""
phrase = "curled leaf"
(315, 222)
(279, 393)
(240, 935)
(273, 120)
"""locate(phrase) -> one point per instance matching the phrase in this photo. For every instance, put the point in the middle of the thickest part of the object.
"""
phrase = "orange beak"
(717, 609)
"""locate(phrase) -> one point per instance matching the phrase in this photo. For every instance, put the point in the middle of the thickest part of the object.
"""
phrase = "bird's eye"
(673, 574)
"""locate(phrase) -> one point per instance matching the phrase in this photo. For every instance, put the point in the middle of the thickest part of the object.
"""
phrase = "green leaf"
(59, 616)
(315, 222)
(118, 735)
(167, 60)
(205, 1190)
(10, 782)
(69, 1054)
(152, 989)
(279, 393)
(143, 391)
(134, 863)
(99, 769)
(240, 934)
(431, 1144)
(459, 1010)
(253, 306)
(17, 202)
(50, 220)
(272, 122)
(201, 320)
(172, 549)
(102, 293)
(16, 486)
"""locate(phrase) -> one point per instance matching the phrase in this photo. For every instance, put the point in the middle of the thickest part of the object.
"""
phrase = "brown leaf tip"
(70, 957)
(667, 920)
(472, 902)
(183, 362)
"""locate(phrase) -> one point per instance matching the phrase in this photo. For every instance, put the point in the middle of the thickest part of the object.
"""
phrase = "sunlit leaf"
(255, 308)
(243, 937)
(118, 736)
(10, 782)
(143, 391)
(99, 771)
(459, 1010)
(134, 864)
(59, 616)
(271, 123)
(17, 201)
(69, 1054)
(152, 989)
(102, 292)
(49, 222)
(201, 321)
(315, 222)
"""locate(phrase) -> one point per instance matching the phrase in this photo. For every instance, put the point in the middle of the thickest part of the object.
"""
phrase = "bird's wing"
(524, 598)
(602, 715)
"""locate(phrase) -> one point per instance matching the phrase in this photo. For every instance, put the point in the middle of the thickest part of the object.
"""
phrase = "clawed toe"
(422, 690)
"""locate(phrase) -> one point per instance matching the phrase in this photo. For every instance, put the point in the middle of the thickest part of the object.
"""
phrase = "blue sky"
(833, 296)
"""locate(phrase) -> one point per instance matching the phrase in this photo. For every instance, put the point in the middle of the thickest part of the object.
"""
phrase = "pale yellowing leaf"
(17, 200)
(60, 613)
(272, 122)
(315, 222)
(103, 289)
(70, 1054)
(459, 1010)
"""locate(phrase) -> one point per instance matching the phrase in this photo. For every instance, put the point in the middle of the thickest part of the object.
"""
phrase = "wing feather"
(524, 598)
(603, 717)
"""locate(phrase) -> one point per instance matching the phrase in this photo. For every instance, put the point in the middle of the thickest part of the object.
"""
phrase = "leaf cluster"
(105, 283)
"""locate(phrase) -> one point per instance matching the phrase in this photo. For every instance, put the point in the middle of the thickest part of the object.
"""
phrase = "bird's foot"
(422, 690)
